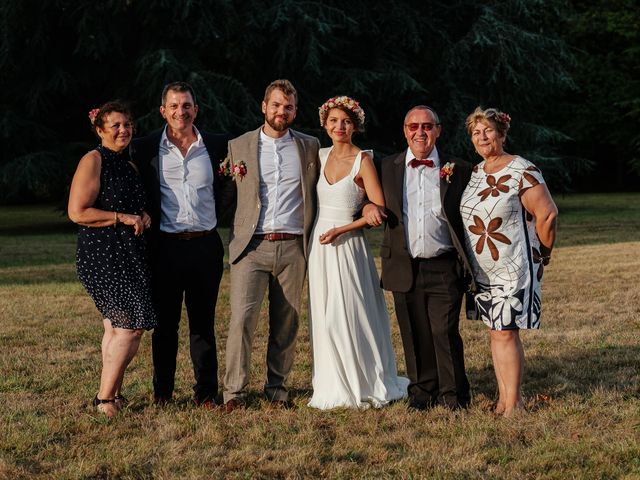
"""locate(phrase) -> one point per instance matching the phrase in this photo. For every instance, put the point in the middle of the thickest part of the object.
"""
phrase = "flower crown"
(344, 102)
(93, 114)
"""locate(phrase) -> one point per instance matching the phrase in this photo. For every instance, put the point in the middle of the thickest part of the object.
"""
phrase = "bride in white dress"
(353, 359)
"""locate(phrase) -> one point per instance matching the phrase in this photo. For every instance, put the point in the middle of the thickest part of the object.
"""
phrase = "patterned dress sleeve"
(530, 176)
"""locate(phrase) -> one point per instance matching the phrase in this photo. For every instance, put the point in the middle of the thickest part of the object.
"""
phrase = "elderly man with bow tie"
(423, 260)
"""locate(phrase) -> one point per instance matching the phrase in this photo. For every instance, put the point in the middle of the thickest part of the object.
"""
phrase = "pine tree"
(452, 55)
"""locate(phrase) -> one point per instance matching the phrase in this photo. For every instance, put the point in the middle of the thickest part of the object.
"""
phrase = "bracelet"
(545, 258)
(115, 218)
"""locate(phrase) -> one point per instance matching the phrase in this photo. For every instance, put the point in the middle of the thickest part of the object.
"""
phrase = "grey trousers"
(281, 267)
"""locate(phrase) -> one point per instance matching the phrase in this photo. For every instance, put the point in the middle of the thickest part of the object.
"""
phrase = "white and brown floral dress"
(503, 247)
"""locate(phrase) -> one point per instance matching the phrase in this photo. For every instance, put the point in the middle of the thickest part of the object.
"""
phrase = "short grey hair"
(424, 108)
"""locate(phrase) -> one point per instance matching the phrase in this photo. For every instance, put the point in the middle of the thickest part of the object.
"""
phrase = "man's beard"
(278, 127)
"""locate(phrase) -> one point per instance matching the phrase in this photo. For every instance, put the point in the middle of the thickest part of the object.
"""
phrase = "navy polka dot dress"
(111, 261)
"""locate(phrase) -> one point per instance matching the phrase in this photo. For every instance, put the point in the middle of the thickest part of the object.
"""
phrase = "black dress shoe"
(161, 401)
(416, 405)
(454, 403)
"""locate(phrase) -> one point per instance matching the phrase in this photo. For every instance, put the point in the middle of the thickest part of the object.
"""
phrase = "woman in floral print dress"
(510, 225)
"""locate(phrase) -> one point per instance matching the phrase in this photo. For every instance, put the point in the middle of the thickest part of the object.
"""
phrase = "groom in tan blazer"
(277, 170)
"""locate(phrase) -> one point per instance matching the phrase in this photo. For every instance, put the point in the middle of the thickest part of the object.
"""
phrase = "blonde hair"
(501, 120)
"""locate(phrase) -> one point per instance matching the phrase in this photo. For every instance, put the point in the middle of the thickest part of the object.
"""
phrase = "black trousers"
(190, 270)
(428, 316)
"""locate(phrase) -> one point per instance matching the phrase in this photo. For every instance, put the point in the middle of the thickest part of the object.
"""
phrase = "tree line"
(566, 72)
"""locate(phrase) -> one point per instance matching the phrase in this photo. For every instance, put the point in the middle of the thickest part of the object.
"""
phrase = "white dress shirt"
(186, 187)
(280, 186)
(425, 227)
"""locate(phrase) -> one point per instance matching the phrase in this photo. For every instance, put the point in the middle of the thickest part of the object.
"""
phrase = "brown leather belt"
(276, 236)
(187, 235)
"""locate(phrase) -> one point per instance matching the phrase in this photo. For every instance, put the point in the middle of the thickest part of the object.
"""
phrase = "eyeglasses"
(425, 126)
(116, 126)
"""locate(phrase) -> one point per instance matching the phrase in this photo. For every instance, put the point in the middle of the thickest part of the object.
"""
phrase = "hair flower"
(234, 170)
(447, 170)
(503, 117)
(93, 114)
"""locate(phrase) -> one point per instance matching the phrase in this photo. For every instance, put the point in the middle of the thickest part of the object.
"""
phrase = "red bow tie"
(415, 163)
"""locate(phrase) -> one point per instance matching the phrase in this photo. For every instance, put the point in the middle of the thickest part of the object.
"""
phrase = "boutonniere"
(447, 170)
(235, 170)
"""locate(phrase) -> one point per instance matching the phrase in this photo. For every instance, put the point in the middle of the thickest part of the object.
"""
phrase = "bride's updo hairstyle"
(348, 105)
(501, 120)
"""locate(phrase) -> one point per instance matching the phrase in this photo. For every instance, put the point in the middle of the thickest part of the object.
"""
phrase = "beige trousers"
(281, 267)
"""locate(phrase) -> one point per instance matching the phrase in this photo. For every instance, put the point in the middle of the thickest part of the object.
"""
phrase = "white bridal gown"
(353, 360)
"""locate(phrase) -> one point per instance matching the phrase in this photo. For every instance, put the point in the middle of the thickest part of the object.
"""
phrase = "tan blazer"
(245, 148)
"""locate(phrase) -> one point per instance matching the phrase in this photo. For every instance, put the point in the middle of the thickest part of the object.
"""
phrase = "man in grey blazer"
(275, 170)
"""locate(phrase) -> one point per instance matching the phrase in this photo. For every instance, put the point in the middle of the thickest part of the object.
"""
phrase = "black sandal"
(120, 399)
(99, 401)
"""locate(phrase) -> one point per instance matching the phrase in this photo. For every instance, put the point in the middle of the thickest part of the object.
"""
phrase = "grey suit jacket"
(397, 265)
(245, 148)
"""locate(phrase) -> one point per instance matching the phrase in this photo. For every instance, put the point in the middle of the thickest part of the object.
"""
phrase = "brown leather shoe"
(232, 405)
(206, 404)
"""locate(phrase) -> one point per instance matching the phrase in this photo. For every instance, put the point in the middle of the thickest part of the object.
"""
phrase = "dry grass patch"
(581, 387)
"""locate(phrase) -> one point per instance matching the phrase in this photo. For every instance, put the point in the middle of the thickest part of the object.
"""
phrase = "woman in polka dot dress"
(107, 202)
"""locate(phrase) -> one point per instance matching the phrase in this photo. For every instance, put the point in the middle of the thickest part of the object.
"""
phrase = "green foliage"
(507, 55)
(604, 113)
(451, 55)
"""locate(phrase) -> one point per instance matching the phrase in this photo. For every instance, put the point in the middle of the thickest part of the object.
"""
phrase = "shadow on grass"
(254, 401)
(575, 372)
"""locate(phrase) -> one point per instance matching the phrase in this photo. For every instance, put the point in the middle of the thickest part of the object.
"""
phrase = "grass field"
(582, 380)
